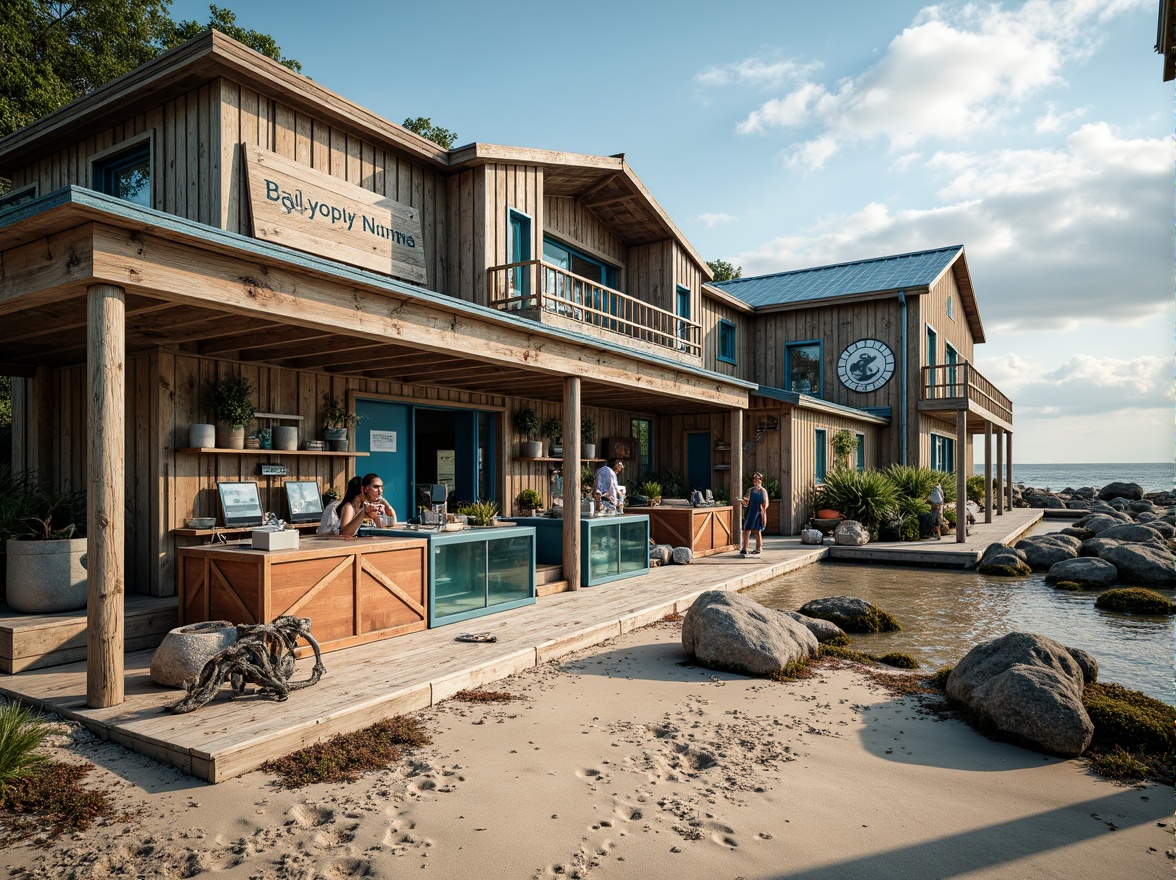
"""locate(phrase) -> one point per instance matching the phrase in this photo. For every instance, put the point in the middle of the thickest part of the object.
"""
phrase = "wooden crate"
(705, 530)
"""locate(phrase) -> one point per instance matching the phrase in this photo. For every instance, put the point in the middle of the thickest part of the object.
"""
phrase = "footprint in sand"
(326, 838)
(310, 816)
(346, 868)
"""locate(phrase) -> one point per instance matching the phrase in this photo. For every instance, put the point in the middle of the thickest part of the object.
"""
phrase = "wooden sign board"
(301, 208)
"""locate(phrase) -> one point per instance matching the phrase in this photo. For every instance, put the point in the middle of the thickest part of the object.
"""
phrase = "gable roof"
(898, 272)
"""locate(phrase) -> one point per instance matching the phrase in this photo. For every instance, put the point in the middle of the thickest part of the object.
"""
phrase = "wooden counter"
(353, 591)
(705, 530)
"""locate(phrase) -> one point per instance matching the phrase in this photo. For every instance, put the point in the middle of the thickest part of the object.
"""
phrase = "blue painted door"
(698, 460)
(394, 422)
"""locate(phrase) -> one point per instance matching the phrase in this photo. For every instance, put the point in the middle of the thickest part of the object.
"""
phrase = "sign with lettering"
(296, 206)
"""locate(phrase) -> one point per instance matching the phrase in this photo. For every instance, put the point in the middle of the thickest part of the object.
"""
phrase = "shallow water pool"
(946, 613)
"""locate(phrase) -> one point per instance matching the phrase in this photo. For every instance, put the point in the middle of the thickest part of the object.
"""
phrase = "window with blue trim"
(950, 358)
(726, 341)
(861, 451)
(821, 453)
(600, 274)
(942, 453)
(126, 175)
(682, 310)
(803, 368)
(520, 250)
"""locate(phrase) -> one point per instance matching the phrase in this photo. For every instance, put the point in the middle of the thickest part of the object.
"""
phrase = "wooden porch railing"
(963, 381)
(537, 285)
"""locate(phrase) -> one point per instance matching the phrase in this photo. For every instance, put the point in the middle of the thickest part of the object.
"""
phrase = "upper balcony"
(951, 388)
(554, 296)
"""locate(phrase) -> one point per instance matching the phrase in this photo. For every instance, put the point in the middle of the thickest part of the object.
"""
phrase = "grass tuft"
(346, 756)
(480, 696)
(50, 801)
(1120, 764)
(939, 679)
(21, 734)
(791, 672)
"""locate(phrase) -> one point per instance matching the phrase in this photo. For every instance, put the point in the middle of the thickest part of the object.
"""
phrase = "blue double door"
(411, 445)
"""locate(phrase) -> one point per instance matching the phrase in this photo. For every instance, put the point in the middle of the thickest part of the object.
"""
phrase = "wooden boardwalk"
(368, 682)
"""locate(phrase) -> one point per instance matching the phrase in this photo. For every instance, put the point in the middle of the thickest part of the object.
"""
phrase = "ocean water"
(1152, 476)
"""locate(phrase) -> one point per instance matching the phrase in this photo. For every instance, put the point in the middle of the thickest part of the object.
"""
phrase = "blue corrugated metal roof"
(896, 272)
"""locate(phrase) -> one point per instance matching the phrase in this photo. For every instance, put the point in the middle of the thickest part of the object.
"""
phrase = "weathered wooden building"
(213, 213)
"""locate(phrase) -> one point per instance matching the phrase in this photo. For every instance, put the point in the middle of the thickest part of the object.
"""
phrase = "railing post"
(987, 471)
(1000, 495)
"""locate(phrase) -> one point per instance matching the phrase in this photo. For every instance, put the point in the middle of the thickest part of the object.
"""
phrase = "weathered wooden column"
(105, 494)
(736, 488)
(988, 472)
(571, 474)
(961, 476)
(1009, 467)
(1000, 491)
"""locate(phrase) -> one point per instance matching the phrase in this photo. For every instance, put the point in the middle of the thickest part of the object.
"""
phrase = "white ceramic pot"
(46, 576)
(285, 437)
(230, 436)
(201, 436)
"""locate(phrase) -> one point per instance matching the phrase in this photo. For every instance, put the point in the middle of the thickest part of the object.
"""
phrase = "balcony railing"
(962, 381)
(535, 285)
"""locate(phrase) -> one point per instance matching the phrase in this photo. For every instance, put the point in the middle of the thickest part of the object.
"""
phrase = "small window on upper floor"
(951, 306)
(17, 197)
(126, 174)
(726, 341)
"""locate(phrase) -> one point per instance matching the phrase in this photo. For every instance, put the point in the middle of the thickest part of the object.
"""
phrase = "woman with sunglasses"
(363, 499)
(756, 504)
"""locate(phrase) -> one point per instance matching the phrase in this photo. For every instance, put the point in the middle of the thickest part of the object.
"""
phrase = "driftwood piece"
(263, 655)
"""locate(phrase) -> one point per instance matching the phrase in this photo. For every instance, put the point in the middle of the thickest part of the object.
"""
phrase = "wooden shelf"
(560, 460)
(722, 447)
(198, 533)
(208, 450)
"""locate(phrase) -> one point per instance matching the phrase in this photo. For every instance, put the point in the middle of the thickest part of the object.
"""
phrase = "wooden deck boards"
(368, 682)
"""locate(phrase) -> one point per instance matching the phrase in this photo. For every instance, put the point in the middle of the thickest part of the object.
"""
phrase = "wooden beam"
(961, 477)
(735, 490)
(237, 285)
(571, 472)
(1000, 493)
(105, 496)
(1009, 467)
(33, 274)
(988, 472)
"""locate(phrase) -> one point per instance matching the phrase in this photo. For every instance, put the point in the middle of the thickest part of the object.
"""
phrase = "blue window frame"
(600, 274)
(950, 358)
(520, 249)
(942, 453)
(726, 341)
(804, 367)
(682, 310)
(861, 451)
(126, 175)
(821, 452)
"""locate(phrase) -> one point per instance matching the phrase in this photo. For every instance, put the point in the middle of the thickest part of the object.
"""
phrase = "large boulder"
(851, 533)
(1084, 571)
(811, 536)
(851, 614)
(1042, 551)
(185, 650)
(1097, 546)
(1099, 522)
(1130, 491)
(1137, 533)
(824, 630)
(731, 632)
(1146, 564)
(1044, 500)
(1003, 561)
(1028, 686)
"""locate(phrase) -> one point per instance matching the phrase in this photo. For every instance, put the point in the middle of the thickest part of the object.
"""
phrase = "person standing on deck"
(756, 504)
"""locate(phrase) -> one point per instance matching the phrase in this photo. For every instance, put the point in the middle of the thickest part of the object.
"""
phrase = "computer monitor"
(240, 505)
(303, 501)
(432, 497)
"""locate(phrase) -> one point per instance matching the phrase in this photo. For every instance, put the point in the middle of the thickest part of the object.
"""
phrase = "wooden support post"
(1009, 467)
(961, 476)
(736, 488)
(1000, 492)
(988, 472)
(571, 472)
(105, 494)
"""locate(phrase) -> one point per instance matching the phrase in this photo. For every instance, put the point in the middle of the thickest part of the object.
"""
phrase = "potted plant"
(844, 446)
(230, 402)
(527, 424)
(652, 490)
(553, 430)
(480, 513)
(337, 421)
(587, 439)
(528, 500)
(45, 546)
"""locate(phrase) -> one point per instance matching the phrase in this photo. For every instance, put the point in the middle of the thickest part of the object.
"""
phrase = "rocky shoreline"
(1086, 497)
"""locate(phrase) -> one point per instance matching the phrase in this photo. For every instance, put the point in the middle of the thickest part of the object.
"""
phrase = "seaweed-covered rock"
(729, 631)
(1042, 551)
(851, 614)
(1084, 571)
(1134, 600)
(1028, 686)
(824, 630)
(1145, 564)
(1003, 561)
(1118, 489)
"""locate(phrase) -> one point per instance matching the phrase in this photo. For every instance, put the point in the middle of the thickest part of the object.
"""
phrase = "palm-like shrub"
(864, 496)
(976, 488)
(21, 734)
(912, 482)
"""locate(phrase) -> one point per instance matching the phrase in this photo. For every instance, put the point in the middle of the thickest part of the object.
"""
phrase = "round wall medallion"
(866, 365)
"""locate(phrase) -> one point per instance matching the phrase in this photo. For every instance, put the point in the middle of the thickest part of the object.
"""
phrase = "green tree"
(423, 125)
(225, 21)
(724, 271)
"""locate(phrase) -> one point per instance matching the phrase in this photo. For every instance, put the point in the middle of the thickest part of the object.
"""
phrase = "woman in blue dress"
(756, 505)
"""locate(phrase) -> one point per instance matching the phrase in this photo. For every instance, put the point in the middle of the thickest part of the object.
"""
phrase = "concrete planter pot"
(285, 437)
(588, 450)
(201, 436)
(46, 576)
(336, 439)
(531, 449)
(183, 652)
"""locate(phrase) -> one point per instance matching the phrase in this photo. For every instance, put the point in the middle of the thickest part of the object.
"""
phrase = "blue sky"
(784, 134)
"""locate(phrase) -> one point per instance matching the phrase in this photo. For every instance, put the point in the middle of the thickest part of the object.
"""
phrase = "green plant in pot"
(587, 438)
(553, 430)
(45, 545)
(230, 403)
(528, 500)
(480, 513)
(652, 490)
(527, 424)
(337, 421)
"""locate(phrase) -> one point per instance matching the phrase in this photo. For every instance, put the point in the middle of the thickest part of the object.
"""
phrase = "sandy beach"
(621, 761)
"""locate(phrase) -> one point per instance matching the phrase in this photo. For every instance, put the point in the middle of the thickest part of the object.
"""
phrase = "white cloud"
(713, 220)
(1084, 384)
(944, 77)
(757, 72)
(1050, 234)
(813, 155)
(1053, 121)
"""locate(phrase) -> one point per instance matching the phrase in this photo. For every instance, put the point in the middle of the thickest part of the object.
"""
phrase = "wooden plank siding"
(712, 312)
(568, 220)
(799, 486)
